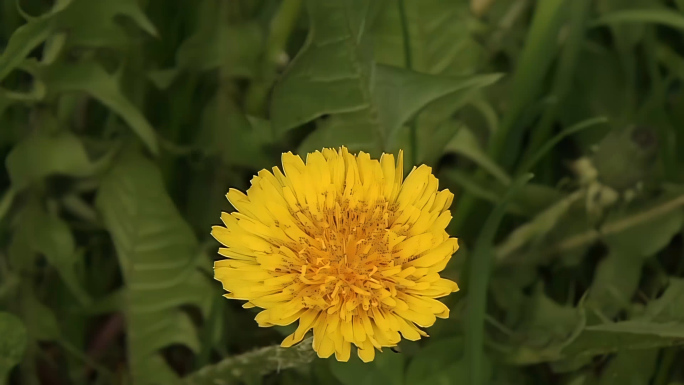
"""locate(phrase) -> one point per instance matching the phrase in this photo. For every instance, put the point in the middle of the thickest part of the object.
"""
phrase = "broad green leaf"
(435, 125)
(51, 237)
(387, 368)
(94, 24)
(547, 322)
(12, 344)
(397, 94)
(29, 36)
(217, 44)
(41, 322)
(439, 37)
(352, 132)
(23, 41)
(235, 139)
(41, 155)
(617, 277)
(91, 78)
(660, 16)
(332, 72)
(667, 308)
(615, 280)
(659, 326)
(442, 362)
(333, 75)
(632, 368)
(156, 251)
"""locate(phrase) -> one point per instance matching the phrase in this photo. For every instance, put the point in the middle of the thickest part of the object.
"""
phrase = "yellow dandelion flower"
(343, 244)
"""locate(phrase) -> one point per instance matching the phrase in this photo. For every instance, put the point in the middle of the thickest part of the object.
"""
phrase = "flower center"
(344, 265)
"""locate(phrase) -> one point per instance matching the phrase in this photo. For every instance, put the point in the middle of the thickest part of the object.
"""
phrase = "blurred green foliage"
(124, 122)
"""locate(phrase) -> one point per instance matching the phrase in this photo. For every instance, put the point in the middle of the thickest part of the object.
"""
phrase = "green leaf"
(548, 146)
(397, 95)
(439, 36)
(617, 276)
(157, 252)
(91, 78)
(659, 326)
(387, 368)
(563, 81)
(95, 24)
(481, 262)
(650, 236)
(6, 202)
(549, 323)
(538, 227)
(331, 72)
(662, 16)
(632, 367)
(41, 155)
(41, 321)
(235, 138)
(333, 75)
(24, 40)
(626, 156)
(442, 362)
(12, 344)
(217, 44)
(51, 237)
(466, 144)
(541, 44)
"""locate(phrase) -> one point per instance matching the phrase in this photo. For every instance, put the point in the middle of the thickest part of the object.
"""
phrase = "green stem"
(613, 227)
(74, 351)
(256, 363)
(281, 28)
(564, 76)
(408, 62)
(481, 262)
(662, 376)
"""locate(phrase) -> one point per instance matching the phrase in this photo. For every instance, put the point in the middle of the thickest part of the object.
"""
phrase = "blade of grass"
(583, 125)
(660, 16)
(528, 79)
(566, 69)
(481, 262)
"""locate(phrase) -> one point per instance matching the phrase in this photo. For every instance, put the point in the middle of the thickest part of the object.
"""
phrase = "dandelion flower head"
(343, 244)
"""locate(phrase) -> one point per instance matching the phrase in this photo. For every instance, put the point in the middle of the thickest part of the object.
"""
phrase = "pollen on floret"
(343, 244)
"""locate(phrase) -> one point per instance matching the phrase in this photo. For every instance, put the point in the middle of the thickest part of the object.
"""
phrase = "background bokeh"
(123, 123)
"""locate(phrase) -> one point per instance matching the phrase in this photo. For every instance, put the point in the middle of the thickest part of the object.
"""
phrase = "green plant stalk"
(527, 165)
(614, 227)
(253, 364)
(528, 79)
(281, 28)
(563, 80)
(481, 262)
(408, 62)
(662, 375)
(667, 134)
